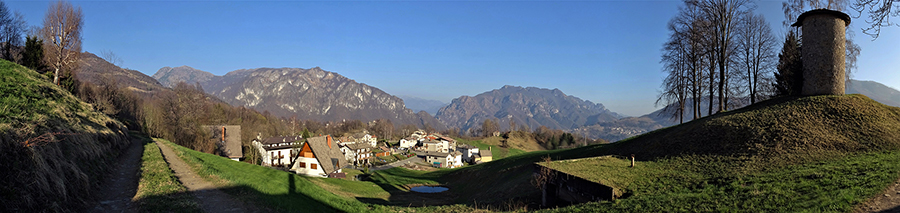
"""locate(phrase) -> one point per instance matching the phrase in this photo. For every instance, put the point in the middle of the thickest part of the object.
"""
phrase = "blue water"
(429, 189)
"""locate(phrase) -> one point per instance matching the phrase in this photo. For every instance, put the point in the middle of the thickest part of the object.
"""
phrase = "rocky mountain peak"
(309, 94)
(530, 106)
(169, 76)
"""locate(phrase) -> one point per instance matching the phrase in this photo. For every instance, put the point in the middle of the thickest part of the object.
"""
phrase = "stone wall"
(823, 51)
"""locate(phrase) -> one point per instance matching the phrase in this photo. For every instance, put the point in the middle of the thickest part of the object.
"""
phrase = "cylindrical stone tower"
(823, 49)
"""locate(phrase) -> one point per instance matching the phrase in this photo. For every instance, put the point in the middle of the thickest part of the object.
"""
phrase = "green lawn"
(158, 188)
(836, 185)
(497, 151)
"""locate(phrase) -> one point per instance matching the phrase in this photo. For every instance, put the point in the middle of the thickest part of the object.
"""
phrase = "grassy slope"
(823, 153)
(52, 172)
(159, 189)
(494, 144)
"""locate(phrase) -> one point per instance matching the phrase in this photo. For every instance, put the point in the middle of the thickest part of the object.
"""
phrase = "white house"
(357, 153)
(278, 151)
(454, 160)
(319, 157)
(408, 142)
(432, 146)
(468, 152)
(445, 160)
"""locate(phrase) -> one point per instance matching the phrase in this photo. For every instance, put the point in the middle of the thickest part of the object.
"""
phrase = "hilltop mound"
(782, 129)
(821, 153)
(54, 146)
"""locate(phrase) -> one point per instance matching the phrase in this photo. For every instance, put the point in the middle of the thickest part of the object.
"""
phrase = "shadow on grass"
(189, 201)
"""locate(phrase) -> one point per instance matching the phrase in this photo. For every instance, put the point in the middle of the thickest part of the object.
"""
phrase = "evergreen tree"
(789, 76)
(33, 56)
(305, 133)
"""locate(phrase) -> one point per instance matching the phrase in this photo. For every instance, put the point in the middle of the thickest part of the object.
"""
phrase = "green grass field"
(499, 152)
(159, 189)
(288, 192)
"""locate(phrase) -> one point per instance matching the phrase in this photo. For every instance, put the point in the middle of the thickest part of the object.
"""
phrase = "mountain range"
(305, 93)
(327, 96)
(528, 106)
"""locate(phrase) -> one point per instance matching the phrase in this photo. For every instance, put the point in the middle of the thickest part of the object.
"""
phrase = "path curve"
(211, 199)
(887, 201)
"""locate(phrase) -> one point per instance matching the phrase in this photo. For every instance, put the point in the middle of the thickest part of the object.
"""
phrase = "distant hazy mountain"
(876, 91)
(306, 93)
(169, 76)
(419, 104)
(531, 106)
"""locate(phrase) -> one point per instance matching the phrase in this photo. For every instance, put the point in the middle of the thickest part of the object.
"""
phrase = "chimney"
(223, 133)
(328, 138)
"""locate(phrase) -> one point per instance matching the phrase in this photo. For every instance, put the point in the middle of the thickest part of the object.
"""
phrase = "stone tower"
(823, 51)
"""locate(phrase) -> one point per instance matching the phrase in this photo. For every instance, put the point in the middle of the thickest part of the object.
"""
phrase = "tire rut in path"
(211, 199)
(120, 186)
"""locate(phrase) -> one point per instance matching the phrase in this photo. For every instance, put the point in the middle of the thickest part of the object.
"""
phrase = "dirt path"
(888, 201)
(121, 185)
(211, 199)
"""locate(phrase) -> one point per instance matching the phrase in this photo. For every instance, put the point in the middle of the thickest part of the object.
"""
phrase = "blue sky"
(603, 51)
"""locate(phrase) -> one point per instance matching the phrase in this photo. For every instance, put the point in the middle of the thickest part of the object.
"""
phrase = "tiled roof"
(329, 157)
(280, 142)
(357, 146)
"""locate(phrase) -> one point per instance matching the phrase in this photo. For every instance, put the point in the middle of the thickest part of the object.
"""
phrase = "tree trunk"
(56, 77)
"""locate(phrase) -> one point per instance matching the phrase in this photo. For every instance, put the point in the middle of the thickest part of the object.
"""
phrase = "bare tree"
(755, 53)
(111, 57)
(12, 37)
(62, 37)
(723, 16)
(684, 56)
(880, 12)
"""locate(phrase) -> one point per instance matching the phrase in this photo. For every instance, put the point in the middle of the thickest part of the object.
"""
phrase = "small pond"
(428, 189)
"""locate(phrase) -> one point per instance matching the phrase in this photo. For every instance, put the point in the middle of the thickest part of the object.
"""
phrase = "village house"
(432, 146)
(278, 151)
(445, 160)
(320, 157)
(454, 160)
(228, 140)
(418, 134)
(437, 159)
(484, 156)
(363, 138)
(357, 153)
(382, 151)
(408, 142)
(468, 152)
